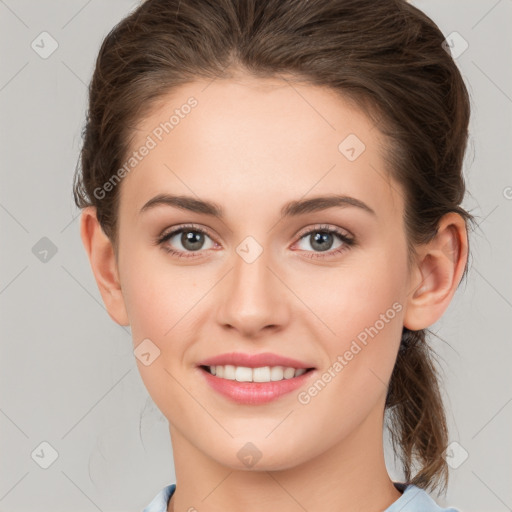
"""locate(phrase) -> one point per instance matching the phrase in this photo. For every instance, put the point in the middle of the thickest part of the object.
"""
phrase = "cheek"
(157, 295)
(363, 310)
(158, 299)
(352, 297)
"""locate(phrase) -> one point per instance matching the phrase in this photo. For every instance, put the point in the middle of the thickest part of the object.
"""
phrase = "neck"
(350, 476)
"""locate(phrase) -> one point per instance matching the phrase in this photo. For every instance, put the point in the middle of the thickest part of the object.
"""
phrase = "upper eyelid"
(324, 227)
(192, 227)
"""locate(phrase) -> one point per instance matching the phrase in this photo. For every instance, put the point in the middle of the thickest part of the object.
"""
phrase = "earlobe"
(103, 264)
(440, 266)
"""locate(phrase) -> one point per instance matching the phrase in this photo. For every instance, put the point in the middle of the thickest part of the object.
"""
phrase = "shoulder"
(160, 501)
(415, 499)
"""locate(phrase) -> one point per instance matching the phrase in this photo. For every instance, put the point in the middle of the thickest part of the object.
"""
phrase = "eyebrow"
(290, 209)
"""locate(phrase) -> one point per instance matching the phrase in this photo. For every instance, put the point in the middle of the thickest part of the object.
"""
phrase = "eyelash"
(348, 242)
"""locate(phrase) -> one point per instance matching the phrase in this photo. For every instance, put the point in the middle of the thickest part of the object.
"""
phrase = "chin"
(251, 456)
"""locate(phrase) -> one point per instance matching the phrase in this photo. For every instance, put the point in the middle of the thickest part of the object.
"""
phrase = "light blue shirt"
(413, 499)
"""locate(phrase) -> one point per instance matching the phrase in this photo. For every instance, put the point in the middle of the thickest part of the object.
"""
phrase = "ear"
(104, 266)
(437, 274)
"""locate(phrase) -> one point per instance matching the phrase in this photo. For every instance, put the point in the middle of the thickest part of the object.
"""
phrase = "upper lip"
(253, 360)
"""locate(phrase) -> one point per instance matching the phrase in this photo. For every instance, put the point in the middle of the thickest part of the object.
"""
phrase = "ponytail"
(417, 421)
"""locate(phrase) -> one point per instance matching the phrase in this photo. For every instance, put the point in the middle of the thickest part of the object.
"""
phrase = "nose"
(253, 299)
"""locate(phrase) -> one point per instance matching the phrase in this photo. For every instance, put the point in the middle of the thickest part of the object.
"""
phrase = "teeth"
(261, 374)
(243, 374)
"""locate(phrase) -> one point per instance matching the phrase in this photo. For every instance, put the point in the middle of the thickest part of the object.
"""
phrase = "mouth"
(259, 374)
(254, 386)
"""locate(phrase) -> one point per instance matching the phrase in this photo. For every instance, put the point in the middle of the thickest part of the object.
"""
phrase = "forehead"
(264, 139)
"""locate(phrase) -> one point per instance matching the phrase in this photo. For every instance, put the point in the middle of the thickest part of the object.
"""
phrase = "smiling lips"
(254, 378)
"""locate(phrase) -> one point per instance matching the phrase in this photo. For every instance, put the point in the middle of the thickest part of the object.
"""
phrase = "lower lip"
(254, 393)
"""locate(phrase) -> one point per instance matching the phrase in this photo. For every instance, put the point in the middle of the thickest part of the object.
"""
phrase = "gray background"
(68, 373)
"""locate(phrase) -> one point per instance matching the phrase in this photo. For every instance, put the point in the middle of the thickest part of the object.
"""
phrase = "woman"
(271, 194)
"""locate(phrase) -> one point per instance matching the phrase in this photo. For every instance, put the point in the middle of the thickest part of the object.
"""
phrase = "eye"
(190, 238)
(321, 239)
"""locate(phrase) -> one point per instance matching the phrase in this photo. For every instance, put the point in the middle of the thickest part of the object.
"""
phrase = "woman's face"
(280, 272)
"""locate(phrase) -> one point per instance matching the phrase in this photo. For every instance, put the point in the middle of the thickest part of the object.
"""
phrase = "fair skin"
(252, 145)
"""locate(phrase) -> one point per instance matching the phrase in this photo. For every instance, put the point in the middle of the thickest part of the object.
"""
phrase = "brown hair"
(387, 56)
